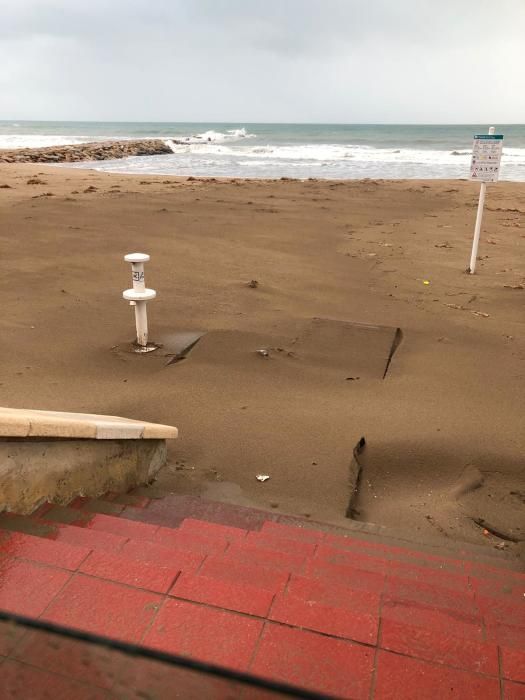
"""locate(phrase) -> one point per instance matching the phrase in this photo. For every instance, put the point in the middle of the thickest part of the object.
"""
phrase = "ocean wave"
(210, 136)
(331, 153)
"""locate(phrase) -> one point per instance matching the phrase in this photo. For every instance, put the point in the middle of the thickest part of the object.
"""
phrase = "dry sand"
(447, 417)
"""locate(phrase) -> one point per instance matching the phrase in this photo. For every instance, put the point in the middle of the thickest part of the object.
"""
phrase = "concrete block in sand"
(55, 456)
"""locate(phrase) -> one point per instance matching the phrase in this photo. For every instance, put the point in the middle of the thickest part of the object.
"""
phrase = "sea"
(340, 151)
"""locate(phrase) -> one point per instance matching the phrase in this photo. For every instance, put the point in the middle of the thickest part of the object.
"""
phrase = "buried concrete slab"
(52, 455)
(363, 351)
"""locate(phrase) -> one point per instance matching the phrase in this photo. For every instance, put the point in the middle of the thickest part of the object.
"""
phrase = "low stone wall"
(103, 150)
(33, 470)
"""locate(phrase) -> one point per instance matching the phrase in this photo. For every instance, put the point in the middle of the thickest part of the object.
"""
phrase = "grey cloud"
(304, 60)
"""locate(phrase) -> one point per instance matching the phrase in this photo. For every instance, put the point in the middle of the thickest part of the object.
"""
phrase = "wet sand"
(447, 416)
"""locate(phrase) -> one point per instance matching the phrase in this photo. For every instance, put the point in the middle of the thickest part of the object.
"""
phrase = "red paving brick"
(312, 661)
(207, 634)
(411, 679)
(163, 556)
(513, 691)
(507, 635)
(357, 559)
(10, 636)
(271, 580)
(293, 533)
(445, 621)
(60, 554)
(201, 527)
(335, 594)
(507, 589)
(447, 649)
(513, 664)
(104, 607)
(144, 679)
(340, 573)
(400, 589)
(81, 661)
(18, 679)
(438, 577)
(265, 557)
(80, 537)
(122, 569)
(327, 619)
(204, 544)
(223, 594)
(122, 527)
(280, 544)
(27, 588)
(503, 611)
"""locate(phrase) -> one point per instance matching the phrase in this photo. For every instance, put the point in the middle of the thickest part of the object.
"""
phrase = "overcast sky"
(263, 60)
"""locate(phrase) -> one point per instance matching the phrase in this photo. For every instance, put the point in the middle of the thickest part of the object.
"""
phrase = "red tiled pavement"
(507, 635)
(269, 579)
(192, 591)
(60, 554)
(341, 573)
(280, 544)
(411, 679)
(422, 574)
(336, 594)
(122, 569)
(513, 664)
(313, 661)
(223, 594)
(104, 607)
(463, 625)
(204, 544)
(338, 622)
(80, 537)
(10, 635)
(122, 527)
(438, 647)
(213, 530)
(513, 691)
(26, 588)
(432, 596)
(78, 660)
(355, 559)
(163, 556)
(20, 681)
(215, 636)
(265, 557)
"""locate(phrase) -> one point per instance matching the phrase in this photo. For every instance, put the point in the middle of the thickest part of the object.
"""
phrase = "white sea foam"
(40, 140)
(330, 153)
(209, 137)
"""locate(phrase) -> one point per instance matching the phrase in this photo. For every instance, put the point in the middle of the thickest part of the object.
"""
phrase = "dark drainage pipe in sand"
(355, 478)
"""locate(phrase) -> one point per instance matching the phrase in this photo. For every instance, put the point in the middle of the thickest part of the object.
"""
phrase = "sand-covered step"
(172, 509)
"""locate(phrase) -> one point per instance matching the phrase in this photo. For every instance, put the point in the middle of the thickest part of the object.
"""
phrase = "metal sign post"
(485, 166)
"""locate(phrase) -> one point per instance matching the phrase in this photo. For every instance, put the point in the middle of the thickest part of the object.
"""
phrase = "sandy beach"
(444, 428)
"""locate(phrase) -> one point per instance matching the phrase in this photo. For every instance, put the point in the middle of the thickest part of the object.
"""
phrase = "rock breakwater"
(102, 150)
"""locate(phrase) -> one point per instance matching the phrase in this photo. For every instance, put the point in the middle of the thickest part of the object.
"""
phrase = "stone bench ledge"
(21, 422)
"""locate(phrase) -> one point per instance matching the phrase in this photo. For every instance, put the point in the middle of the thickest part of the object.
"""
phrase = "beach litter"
(262, 477)
(263, 353)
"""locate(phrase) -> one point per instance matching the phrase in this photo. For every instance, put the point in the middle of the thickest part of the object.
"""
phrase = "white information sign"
(486, 157)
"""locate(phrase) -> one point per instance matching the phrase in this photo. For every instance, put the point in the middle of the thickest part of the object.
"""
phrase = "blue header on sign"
(488, 137)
